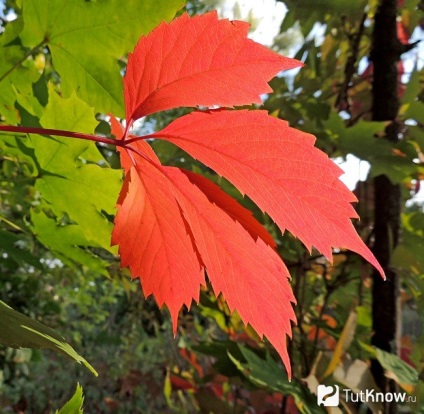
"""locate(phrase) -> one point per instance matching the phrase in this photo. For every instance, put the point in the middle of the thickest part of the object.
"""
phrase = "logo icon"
(328, 396)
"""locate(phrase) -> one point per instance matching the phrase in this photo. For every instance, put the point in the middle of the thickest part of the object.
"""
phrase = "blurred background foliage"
(57, 200)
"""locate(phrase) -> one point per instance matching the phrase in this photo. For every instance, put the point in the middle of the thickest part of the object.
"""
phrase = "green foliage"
(91, 181)
(86, 55)
(15, 255)
(331, 98)
(60, 70)
(74, 405)
(20, 331)
(60, 67)
(393, 364)
(266, 373)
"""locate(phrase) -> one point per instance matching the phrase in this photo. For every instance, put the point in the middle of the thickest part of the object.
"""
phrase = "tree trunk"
(385, 55)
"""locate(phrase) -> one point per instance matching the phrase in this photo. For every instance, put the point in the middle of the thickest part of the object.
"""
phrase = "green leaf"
(364, 316)
(20, 331)
(221, 351)
(74, 405)
(270, 375)
(415, 111)
(167, 389)
(412, 88)
(75, 182)
(16, 150)
(58, 154)
(67, 242)
(360, 140)
(20, 80)
(396, 168)
(86, 39)
(17, 73)
(408, 254)
(417, 134)
(83, 195)
(308, 12)
(403, 373)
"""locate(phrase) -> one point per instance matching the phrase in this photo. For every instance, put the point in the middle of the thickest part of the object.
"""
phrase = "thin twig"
(327, 295)
(350, 67)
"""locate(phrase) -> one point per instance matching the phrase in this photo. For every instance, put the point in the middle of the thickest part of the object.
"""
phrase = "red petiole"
(59, 132)
(69, 134)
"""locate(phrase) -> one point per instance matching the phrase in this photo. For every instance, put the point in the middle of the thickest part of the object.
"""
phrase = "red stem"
(58, 132)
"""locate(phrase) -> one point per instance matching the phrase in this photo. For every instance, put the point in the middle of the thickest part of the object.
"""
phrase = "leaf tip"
(174, 321)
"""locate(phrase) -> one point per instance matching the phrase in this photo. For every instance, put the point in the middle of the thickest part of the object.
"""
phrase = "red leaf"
(152, 235)
(172, 225)
(169, 230)
(280, 169)
(249, 273)
(198, 61)
(231, 207)
(180, 383)
(228, 242)
(154, 241)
